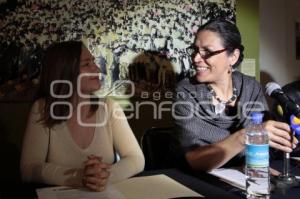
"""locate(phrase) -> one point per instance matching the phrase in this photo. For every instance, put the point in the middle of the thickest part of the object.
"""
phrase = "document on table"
(157, 186)
(148, 187)
(296, 158)
(73, 193)
(231, 176)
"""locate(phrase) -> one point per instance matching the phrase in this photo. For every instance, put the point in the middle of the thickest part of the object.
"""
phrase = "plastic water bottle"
(257, 159)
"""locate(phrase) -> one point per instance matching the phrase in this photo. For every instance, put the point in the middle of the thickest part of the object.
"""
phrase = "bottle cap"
(257, 117)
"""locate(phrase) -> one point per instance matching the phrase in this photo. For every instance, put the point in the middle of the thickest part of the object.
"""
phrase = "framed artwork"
(143, 41)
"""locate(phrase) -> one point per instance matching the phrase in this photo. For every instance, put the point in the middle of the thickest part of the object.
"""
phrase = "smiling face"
(211, 60)
(90, 82)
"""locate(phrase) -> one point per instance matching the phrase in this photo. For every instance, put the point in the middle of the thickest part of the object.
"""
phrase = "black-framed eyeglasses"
(205, 54)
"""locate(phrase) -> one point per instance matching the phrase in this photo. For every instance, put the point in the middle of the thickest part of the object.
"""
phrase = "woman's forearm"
(213, 156)
(51, 174)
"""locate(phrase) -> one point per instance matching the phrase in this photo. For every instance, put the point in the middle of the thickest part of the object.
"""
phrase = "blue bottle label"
(257, 155)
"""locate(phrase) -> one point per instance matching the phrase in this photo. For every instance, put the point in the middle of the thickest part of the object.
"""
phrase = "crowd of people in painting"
(144, 41)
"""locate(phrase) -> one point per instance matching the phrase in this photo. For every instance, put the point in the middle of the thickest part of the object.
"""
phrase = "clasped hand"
(95, 173)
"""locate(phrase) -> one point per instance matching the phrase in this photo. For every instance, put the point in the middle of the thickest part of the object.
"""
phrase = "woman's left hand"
(280, 136)
(96, 173)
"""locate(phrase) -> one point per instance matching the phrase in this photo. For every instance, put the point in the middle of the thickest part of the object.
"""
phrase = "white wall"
(293, 15)
(277, 40)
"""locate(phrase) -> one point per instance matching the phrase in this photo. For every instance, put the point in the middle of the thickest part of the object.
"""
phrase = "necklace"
(221, 105)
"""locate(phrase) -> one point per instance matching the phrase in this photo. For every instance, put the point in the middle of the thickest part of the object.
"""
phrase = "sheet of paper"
(148, 187)
(296, 158)
(235, 178)
(231, 176)
(157, 186)
(70, 193)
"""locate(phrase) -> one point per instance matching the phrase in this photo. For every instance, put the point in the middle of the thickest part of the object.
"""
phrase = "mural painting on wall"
(144, 41)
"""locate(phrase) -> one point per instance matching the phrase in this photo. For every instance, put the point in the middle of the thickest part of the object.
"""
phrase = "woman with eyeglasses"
(213, 108)
(72, 136)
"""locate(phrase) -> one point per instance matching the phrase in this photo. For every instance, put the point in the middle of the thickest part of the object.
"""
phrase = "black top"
(292, 90)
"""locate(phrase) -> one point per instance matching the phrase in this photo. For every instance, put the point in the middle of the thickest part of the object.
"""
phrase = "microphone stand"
(286, 179)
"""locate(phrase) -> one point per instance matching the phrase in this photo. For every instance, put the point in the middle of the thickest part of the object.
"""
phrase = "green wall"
(247, 14)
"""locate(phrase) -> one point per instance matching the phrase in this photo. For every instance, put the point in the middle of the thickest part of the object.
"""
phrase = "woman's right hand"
(280, 136)
(96, 173)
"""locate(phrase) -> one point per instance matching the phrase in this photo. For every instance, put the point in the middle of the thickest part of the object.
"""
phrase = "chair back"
(155, 144)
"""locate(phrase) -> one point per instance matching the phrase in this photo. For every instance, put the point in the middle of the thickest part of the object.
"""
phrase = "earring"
(230, 69)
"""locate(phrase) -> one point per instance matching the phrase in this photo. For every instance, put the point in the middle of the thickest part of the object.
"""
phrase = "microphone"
(279, 110)
(295, 124)
(289, 106)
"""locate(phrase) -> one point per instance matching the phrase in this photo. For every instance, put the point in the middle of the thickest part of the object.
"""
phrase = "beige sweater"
(53, 157)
